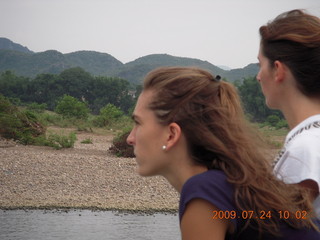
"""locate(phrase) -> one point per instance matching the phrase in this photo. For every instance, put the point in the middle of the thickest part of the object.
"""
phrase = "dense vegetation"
(28, 124)
(96, 92)
(254, 104)
(78, 99)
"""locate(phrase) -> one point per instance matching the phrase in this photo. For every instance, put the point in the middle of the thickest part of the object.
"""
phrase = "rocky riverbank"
(86, 176)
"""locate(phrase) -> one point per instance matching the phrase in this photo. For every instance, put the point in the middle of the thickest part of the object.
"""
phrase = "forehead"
(261, 55)
(143, 102)
(260, 50)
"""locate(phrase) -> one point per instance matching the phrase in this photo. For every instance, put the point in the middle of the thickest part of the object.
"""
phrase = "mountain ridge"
(25, 62)
(6, 43)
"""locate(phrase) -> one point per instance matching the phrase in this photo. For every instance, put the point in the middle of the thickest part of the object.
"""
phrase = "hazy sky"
(223, 32)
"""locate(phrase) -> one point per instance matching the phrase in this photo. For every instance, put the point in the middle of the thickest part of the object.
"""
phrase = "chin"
(144, 172)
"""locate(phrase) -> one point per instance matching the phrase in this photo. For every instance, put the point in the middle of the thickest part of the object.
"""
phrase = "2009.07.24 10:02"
(248, 214)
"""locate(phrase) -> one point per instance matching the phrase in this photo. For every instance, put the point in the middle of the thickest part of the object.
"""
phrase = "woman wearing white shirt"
(289, 75)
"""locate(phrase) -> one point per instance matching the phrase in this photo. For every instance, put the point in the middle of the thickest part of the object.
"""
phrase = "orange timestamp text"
(260, 215)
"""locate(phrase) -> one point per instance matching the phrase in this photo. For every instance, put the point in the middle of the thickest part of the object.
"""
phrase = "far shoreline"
(59, 209)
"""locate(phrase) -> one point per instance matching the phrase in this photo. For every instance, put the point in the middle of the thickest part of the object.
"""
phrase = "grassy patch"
(87, 141)
(274, 137)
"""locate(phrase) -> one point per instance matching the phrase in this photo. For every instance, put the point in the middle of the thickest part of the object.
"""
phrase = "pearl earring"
(164, 147)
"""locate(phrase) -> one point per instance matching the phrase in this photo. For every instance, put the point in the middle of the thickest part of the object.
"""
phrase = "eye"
(136, 122)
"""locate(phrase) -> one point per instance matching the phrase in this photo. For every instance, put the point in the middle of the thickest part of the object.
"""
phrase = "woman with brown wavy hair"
(289, 75)
(190, 129)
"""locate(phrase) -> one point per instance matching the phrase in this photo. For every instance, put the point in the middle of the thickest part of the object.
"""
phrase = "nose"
(258, 77)
(130, 138)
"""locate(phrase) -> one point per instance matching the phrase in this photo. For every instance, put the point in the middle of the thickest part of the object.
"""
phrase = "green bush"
(282, 124)
(54, 119)
(9, 125)
(273, 120)
(56, 141)
(276, 122)
(70, 107)
(23, 126)
(51, 118)
(36, 107)
(6, 106)
(108, 115)
(15, 101)
(60, 141)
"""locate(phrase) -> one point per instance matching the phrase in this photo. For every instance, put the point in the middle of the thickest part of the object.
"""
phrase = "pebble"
(86, 177)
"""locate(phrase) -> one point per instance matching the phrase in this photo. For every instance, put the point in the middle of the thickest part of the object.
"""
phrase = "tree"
(110, 90)
(108, 114)
(44, 88)
(76, 82)
(13, 86)
(254, 100)
(69, 107)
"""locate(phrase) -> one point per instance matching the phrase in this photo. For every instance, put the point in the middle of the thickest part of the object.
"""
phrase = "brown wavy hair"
(294, 39)
(210, 115)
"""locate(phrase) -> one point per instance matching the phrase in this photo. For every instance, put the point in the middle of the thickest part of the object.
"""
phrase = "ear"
(174, 134)
(280, 71)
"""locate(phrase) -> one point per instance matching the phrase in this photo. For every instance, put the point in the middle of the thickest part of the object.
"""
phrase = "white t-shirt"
(299, 160)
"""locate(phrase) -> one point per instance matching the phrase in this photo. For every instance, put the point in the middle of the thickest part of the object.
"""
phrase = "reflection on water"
(86, 224)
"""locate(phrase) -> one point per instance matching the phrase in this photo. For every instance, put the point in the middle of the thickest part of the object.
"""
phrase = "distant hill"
(224, 67)
(52, 61)
(250, 70)
(135, 71)
(94, 62)
(5, 43)
(24, 62)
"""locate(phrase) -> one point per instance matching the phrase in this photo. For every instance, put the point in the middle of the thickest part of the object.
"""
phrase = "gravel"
(86, 176)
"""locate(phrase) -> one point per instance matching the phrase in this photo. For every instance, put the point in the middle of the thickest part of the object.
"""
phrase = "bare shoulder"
(197, 222)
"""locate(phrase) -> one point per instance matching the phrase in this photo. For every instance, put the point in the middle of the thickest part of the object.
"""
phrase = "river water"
(86, 225)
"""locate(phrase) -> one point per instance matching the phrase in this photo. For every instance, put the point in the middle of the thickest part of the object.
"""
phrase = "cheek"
(145, 141)
(263, 88)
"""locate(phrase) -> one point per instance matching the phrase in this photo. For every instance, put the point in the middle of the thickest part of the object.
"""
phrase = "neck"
(299, 109)
(178, 176)
(182, 166)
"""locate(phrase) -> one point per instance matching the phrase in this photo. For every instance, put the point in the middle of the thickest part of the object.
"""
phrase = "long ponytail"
(210, 115)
